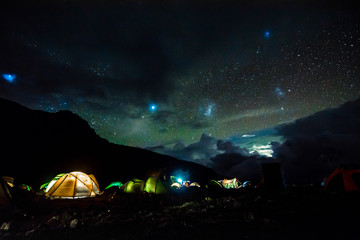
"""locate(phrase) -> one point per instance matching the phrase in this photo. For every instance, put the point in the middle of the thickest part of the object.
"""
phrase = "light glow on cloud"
(264, 150)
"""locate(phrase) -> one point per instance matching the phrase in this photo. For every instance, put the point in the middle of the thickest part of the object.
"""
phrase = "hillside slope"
(37, 145)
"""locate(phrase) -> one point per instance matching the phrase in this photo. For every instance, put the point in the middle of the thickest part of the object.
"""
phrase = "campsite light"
(9, 77)
(180, 180)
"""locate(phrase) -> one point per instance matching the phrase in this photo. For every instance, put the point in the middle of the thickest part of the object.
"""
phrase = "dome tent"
(5, 195)
(134, 185)
(74, 185)
(231, 183)
(150, 185)
(343, 178)
(154, 183)
(46, 186)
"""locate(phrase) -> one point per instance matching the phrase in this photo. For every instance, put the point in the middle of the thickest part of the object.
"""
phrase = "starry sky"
(147, 73)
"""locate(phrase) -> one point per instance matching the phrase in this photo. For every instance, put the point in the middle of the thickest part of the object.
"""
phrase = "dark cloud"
(243, 167)
(317, 144)
(163, 116)
(229, 147)
(238, 162)
(223, 156)
(199, 124)
(199, 152)
(342, 120)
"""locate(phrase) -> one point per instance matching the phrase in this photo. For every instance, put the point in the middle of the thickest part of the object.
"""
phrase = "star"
(153, 107)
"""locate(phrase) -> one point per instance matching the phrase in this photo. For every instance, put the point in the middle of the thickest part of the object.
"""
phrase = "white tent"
(73, 185)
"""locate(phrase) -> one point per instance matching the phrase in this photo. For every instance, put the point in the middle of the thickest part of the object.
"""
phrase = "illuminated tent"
(176, 185)
(134, 186)
(231, 183)
(9, 181)
(5, 195)
(48, 185)
(343, 179)
(214, 184)
(150, 185)
(74, 185)
(155, 185)
(194, 184)
(178, 182)
(115, 184)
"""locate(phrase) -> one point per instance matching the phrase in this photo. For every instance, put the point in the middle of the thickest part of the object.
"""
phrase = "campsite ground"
(295, 213)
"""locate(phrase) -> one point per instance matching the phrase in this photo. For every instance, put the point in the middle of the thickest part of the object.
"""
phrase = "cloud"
(222, 155)
(199, 152)
(164, 116)
(243, 167)
(317, 144)
(259, 112)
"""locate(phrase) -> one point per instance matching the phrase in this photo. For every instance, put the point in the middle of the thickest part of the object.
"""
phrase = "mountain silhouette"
(38, 145)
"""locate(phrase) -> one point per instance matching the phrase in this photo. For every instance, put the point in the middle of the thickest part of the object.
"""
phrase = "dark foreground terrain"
(294, 213)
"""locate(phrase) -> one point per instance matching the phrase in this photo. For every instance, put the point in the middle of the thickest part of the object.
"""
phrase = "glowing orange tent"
(343, 179)
(74, 185)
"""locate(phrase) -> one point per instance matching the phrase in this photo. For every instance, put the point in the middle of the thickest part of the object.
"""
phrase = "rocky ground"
(295, 213)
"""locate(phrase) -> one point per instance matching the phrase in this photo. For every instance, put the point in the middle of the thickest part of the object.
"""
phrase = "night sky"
(148, 73)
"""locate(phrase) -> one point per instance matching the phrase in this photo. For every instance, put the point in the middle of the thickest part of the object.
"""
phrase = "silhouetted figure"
(272, 177)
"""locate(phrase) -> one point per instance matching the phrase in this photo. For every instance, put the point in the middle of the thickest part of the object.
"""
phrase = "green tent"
(214, 184)
(155, 185)
(25, 187)
(150, 185)
(134, 186)
(115, 184)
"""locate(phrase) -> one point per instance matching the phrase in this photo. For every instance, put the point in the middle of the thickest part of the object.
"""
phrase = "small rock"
(267, 221)
(29, 233)
(249, 217)
(258, 199)
(5, 226)
(74, 223)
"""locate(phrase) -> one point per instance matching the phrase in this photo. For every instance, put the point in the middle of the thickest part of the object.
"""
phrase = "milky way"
(158, 72)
